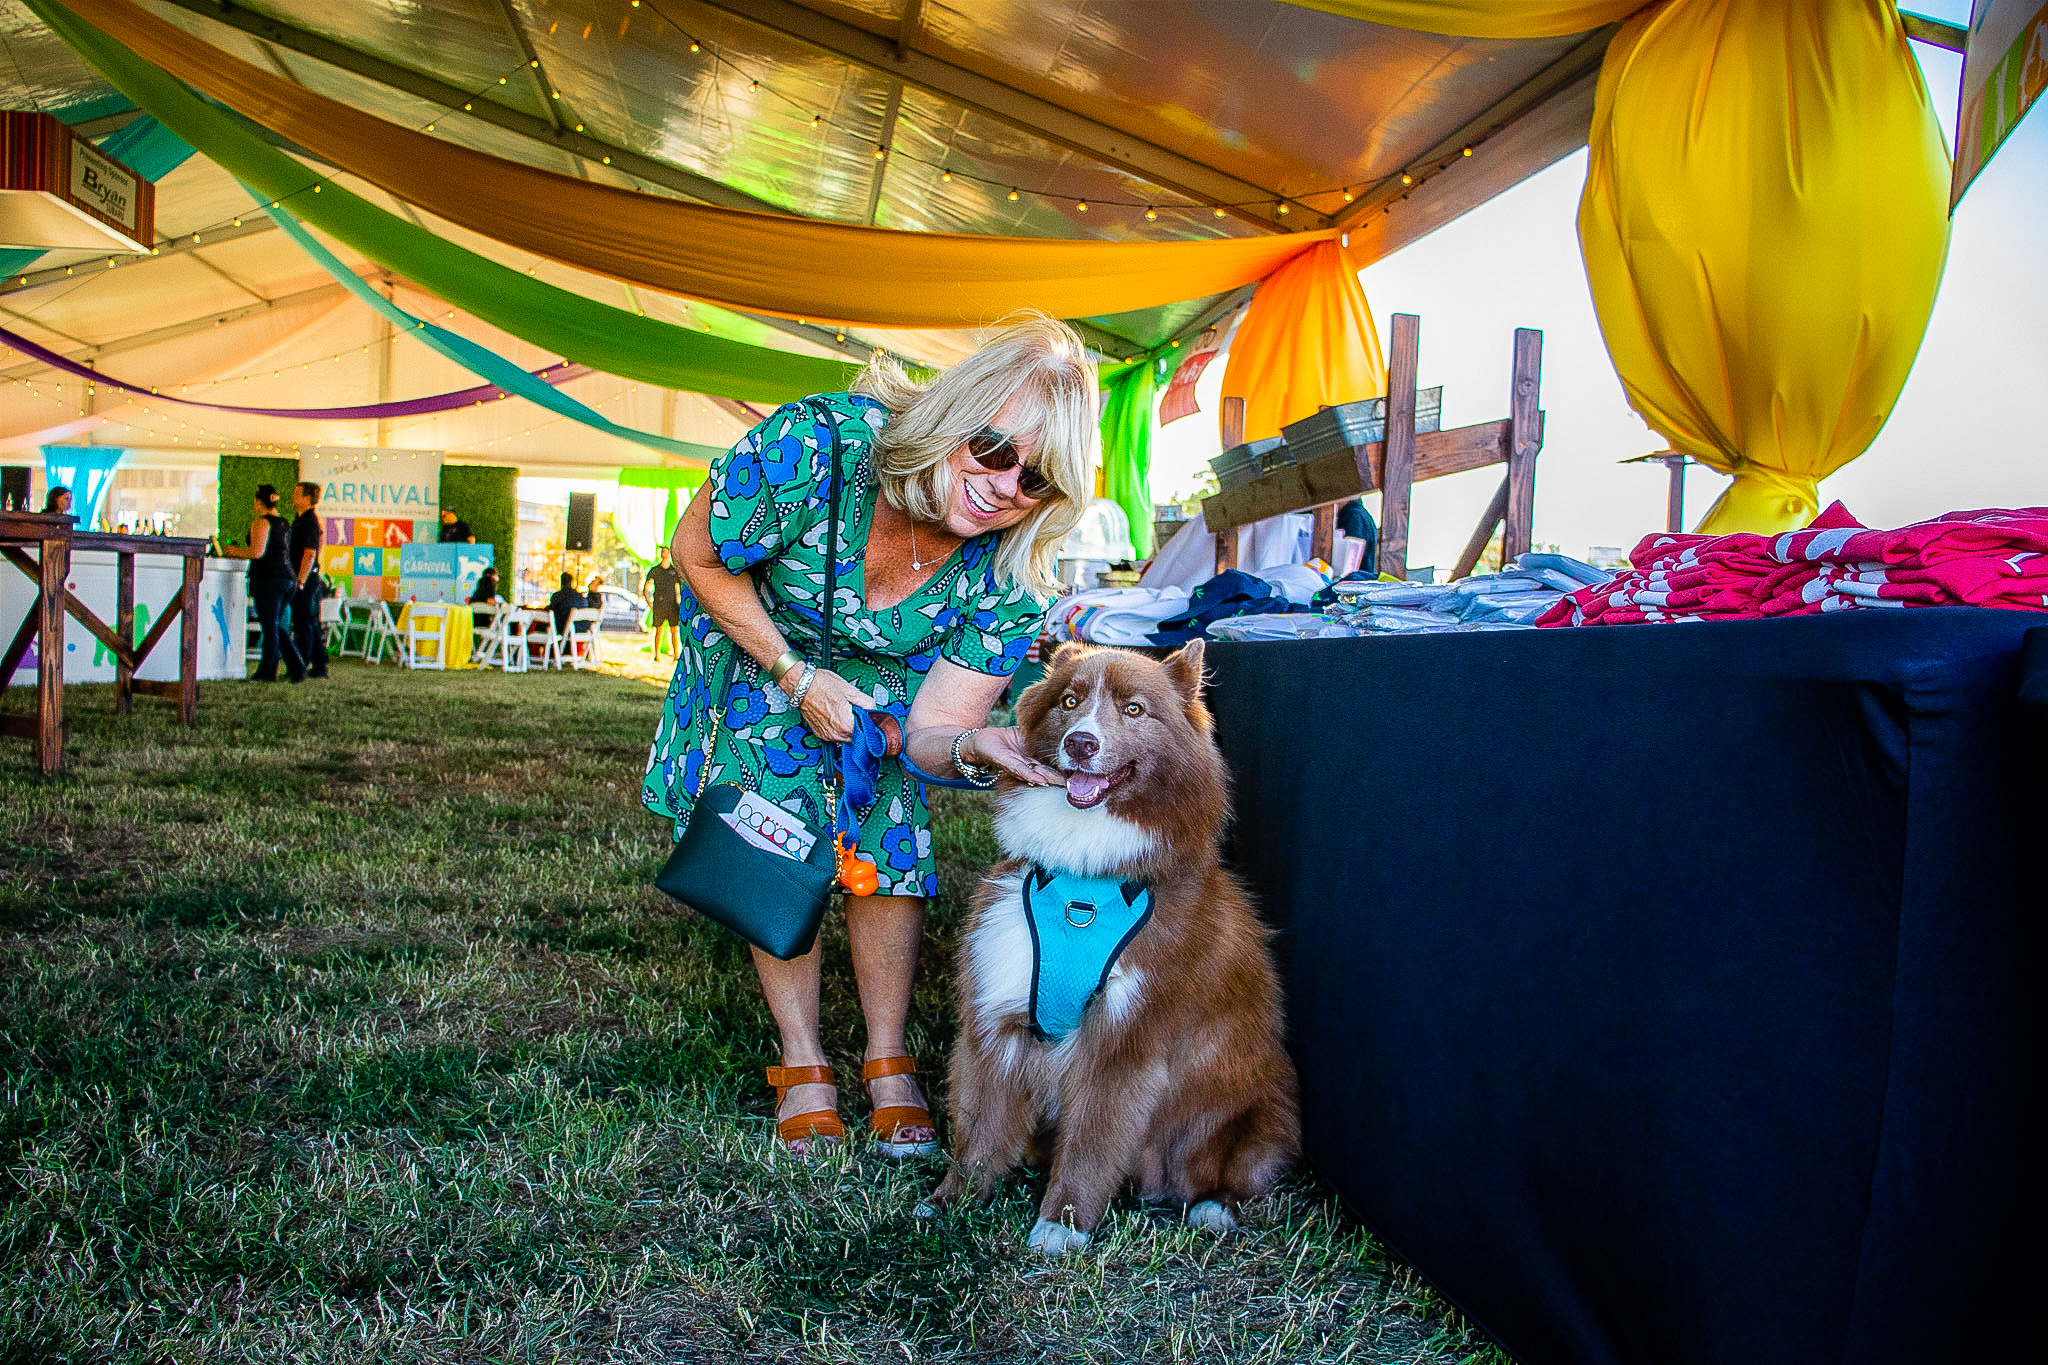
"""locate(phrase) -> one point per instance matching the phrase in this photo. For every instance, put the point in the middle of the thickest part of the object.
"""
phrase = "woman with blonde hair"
(954, 496)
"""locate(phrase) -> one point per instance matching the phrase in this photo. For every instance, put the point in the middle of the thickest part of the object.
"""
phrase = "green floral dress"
(769, 498)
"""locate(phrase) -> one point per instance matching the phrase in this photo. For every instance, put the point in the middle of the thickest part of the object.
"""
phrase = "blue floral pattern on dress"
(769, 496)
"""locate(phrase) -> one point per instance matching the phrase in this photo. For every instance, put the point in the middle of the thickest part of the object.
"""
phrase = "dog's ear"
(1184, 668)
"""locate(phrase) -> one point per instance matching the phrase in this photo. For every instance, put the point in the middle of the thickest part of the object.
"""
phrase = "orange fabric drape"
(1307, 341)
(762, 262)
(1482, 18)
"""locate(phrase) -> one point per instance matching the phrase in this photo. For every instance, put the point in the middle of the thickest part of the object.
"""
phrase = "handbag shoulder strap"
(834, 486)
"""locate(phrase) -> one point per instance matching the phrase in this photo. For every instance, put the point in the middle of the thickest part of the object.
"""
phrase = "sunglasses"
(992, 450)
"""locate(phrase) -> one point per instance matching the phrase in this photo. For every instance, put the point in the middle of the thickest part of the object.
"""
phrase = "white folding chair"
(352, 619)
(381, 635)
(542, 643)
(496, 643)
(512, 627)
(579, 648)
(426, 635)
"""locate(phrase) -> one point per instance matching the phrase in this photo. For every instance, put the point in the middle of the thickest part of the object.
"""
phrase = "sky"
(1970, 429)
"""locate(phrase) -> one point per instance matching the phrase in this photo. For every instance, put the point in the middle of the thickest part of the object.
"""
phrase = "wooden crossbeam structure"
(1395, 465)
(53, 540)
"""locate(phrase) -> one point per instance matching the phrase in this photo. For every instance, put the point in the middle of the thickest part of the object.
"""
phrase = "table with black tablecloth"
(1670, 993)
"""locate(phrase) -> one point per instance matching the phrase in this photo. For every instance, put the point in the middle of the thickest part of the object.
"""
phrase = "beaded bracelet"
(974, 773)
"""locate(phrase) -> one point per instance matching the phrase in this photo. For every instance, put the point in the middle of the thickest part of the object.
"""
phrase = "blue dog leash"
(861, 759)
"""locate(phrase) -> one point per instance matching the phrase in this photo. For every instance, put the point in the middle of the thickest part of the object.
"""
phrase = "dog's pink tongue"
(1085, 789)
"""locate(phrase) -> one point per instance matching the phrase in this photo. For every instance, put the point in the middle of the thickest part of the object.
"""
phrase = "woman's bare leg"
(884, 932)
(792, 992)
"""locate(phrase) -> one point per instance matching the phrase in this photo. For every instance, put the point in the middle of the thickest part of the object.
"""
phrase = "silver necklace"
(921, 564)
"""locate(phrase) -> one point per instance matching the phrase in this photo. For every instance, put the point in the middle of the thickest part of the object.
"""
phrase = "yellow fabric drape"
(1764, 223)
(792, 267)
(1307, 341)
(1483, 18)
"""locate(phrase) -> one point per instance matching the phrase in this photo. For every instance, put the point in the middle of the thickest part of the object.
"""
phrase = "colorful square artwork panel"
(369, 561)
(368, 531)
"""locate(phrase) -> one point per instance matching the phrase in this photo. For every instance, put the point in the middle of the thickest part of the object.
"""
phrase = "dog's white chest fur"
(1037, 824)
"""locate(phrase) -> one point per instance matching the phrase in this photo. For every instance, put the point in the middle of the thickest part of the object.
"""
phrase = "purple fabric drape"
(561, 372)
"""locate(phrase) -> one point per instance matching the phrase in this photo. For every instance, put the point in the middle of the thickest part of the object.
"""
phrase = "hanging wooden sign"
(59, 192)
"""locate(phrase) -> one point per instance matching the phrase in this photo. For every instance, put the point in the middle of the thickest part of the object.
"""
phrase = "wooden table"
(53, 539)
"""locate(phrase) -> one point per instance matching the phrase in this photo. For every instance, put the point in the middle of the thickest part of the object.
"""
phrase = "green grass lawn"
(347, 1026)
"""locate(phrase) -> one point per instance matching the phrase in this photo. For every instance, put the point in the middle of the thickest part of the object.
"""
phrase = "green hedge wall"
(239, 475)
(484, 496)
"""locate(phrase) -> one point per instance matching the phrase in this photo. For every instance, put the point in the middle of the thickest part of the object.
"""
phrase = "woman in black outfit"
(271, 585)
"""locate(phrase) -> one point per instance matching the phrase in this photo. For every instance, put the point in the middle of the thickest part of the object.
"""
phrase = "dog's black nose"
(1081, 746)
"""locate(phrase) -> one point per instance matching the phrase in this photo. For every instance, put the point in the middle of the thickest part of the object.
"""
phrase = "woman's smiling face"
(985, 499)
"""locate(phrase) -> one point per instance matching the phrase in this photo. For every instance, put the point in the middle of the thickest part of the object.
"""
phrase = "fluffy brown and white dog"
(1174, 1080)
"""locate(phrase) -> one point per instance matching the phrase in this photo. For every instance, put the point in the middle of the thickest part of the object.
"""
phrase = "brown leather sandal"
(821, 1125)
(892, 1119)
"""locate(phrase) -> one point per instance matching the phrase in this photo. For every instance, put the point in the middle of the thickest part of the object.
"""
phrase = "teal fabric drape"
(480, 361)
(86, 471)
(567, 324)
(1129, 422)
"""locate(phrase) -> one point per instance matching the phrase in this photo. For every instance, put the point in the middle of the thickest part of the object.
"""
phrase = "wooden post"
(1397, 486)
(55, 568)
(1482, 533)
(1233, 435)
(1322, 538)
(124, 627)
(1525, 438)
(188, 642)
(1674, 514)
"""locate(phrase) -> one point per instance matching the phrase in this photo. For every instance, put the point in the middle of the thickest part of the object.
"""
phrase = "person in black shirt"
(58, 501)
(1354, 521)
(454, 529)
(270, 585)
(664, 601)
(565, 600)
(486, 588)
(307, 632)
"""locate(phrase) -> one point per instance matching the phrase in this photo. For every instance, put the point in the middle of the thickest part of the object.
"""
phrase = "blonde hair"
(1026, 352)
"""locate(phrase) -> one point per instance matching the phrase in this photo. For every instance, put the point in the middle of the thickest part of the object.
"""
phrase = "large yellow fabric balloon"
(1764, 224)
(1483, 18)
(1307, 341)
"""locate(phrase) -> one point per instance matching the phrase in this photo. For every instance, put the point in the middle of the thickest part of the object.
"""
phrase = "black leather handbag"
(772, 901)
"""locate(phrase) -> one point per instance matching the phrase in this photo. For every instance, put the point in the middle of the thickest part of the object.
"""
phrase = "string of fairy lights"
(739, 70)
(946, 173)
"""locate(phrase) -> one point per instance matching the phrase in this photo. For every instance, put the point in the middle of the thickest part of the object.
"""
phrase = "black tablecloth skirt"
(1671, 993)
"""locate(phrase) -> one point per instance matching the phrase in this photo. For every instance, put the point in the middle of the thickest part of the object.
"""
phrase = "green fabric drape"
(567, 324)
(1129, 421)
(1483, 18)
(650, 502)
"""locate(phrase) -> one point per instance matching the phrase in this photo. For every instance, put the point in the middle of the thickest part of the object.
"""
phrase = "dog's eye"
(1133, 709)
(1069, 702)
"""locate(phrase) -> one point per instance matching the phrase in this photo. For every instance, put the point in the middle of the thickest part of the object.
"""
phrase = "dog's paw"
(1211, 1217)
(1056, 1239)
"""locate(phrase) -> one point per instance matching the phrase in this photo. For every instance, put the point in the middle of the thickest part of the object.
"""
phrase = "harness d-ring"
(1073, 906)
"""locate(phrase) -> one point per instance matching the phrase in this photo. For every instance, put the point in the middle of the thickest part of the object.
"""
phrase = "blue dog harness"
(1079, 927)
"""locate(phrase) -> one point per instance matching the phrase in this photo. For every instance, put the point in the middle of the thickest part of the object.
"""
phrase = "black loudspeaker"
(582, 521)
(14, 488)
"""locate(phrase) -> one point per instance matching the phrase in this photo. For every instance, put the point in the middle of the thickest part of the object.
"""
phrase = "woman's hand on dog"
(828, 706)
(1003, 748)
